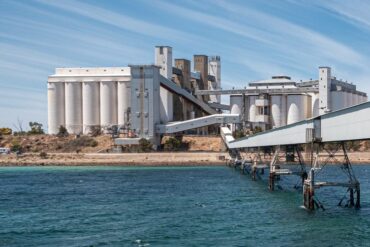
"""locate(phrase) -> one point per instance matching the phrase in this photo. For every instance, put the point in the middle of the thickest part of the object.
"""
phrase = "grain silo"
(252, 108)
(73, 107)
(297, 108)
(56, 107)
(278, 112)
(236, 104)
(338, 100)
(90, 106)
(123, 101)
(108, 103)
(315, 104)
(349, 99)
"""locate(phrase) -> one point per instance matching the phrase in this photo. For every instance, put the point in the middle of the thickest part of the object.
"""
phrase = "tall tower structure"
(324, 89)
(214, 69)
(163, 59)
(184, 65)
(201, 65)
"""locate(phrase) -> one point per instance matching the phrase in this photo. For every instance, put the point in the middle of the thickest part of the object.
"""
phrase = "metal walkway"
(197, 123)
(348, 124)
(173, 88)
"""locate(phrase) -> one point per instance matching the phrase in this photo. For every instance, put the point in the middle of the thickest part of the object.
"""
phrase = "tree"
(62, 131)
(36, 128)
(19, 127)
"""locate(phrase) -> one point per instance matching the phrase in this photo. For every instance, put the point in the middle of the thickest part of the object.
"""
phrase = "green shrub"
(78, 143)
(5, 131)
(145, 145)
(43, 155)
(16, 147)
(239, 134)
(172, 144)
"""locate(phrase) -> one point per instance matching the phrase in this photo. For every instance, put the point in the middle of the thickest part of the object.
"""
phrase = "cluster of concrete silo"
(281, 109)
(82, 104)
(280, 101)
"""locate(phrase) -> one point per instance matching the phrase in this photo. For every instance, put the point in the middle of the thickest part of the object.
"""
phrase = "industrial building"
(147, 101)
(86, 99)
(280, 101)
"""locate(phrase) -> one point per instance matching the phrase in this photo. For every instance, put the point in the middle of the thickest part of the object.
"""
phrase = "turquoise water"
(171, 206)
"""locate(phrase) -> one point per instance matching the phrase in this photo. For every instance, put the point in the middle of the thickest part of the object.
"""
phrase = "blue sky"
(255, 39)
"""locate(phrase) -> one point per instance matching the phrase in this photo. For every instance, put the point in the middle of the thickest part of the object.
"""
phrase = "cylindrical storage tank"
(364, 99)
(108, 103)
(276, 108)
(124, 101)
(361, 99)
(349, 99)
(252, 108)
(56, 108)
(338, 100)
(236, 104)
(73, 102)
(296, 108)
(354, 99)
(90, 106)
(315, 101)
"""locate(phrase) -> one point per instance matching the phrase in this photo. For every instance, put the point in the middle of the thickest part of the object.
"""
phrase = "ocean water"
(171, 206)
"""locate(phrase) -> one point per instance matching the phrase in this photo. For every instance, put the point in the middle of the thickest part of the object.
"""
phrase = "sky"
(256, 39)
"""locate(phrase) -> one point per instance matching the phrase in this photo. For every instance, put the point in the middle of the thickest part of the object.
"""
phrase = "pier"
(336, 127)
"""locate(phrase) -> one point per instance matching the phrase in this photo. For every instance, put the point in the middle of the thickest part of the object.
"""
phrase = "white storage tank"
(56, 108)
(338, 100)
(349, 99)
(297, 108)
(364, 99)
(124, 101)
(278, 110)
(73, 107)
(90, 106)
(355, 100)
(252, 108)
(236, 104)
(108, 103)
(315, 104)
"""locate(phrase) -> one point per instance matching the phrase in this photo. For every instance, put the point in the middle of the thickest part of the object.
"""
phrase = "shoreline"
(137, 159)
(126, 159)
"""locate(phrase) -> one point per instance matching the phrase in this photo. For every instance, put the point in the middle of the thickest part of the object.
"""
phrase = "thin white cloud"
(355, 11)
(120, 20)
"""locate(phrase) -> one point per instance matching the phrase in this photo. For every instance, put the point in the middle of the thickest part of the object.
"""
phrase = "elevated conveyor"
(347, 124)
(197, 123)
(173, 88)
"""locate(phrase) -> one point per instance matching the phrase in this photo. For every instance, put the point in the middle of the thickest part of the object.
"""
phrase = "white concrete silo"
(338, 100)
(349, 99)
(108, 103)
(297, 108)
(90, 106)
(123, 101)
(252, 108)
(236, 104)
(56, 108)
(73, 107)
(355, 100)
(315, 107)
(278, 111)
